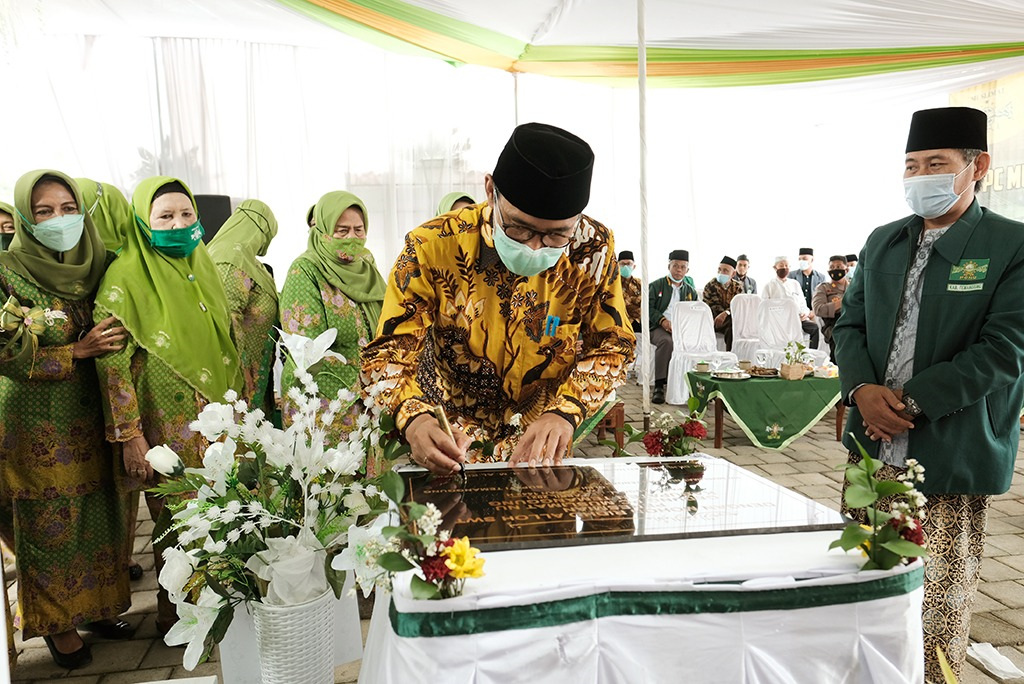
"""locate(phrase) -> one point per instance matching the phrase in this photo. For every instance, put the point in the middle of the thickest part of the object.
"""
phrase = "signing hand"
(432, 448)
(881, 409)
(101, 339)
(545, 442)
(135, 463)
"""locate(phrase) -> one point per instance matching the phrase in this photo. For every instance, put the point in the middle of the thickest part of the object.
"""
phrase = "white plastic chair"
(745, 337)
(693, 341)
(779, 324)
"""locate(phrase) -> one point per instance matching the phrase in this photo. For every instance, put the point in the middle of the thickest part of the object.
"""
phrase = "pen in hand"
(442, 419)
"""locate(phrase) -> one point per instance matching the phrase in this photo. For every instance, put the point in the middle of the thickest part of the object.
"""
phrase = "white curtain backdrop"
(283, 109)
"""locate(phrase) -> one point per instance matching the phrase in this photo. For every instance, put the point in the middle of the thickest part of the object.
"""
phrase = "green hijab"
(243, 237)
(79, 273)
(175, 308)
(346, 263)
(112, 213)
(451, 198)
(7, 208)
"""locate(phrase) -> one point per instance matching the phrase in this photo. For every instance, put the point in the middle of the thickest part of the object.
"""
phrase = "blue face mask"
(723, 279)
(177, 242)
(519, 258)
(60, 233)
(931, 196)
(626, 271)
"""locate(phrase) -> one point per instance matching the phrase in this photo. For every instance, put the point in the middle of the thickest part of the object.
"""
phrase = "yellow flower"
(865, 546)
(462, 561)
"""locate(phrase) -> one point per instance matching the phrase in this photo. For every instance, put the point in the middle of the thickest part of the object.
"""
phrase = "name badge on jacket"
(967, 276)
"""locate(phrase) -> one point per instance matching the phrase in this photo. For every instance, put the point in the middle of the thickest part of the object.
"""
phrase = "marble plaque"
(610, 500)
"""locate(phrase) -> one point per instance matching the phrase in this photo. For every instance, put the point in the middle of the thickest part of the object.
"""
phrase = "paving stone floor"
(808, 466)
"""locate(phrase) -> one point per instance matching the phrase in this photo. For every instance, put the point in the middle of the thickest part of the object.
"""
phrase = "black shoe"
(111, 629)
(69, 661)
(658, 396)
(135, 572)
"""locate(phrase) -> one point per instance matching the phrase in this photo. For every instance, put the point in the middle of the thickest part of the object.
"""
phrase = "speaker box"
(214, 210)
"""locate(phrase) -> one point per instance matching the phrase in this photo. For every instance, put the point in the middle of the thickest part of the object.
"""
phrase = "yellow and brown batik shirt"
(631, 295)
(459, 329)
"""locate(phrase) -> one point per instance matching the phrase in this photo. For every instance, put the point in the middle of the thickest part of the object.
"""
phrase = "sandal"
(110, 629)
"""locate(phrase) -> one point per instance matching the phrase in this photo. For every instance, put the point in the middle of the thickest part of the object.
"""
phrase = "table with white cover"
(746, 609)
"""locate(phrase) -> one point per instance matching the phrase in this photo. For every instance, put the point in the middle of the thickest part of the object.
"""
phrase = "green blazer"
(659, 294)
(969, 351)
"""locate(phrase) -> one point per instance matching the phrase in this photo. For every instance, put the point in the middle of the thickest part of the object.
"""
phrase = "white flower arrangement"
(271, 508)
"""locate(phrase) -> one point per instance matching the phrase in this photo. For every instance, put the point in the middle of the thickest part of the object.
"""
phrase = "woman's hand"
(135, 463)
(101, 339)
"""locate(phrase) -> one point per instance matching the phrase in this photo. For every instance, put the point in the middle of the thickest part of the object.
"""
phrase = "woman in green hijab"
(109, 210)
(454, 201)
(333, 284)
(6, 225)
(251, 293)
(178, 356)
(60, 504)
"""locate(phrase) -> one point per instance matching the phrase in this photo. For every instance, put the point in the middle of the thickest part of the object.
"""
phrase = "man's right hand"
(432, 448)
(880, 407)
(666, 325)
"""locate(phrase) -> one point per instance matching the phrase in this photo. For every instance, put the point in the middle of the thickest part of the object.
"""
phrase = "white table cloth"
(758, 609)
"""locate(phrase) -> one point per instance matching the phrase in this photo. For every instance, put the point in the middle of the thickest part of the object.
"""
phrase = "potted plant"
(796, 357)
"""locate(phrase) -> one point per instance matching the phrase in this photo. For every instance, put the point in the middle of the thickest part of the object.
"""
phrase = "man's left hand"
(545, 442)
(720, 318)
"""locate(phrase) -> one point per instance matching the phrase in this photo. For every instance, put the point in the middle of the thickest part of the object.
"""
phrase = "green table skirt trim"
(616, 603)
(591, 421)
(747, 420)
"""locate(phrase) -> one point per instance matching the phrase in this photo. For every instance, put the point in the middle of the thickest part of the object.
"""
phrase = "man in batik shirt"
(484, 307)
(630, 288)
(718, 294)
(938, 379)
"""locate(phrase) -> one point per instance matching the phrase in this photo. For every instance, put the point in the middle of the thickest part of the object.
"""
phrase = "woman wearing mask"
(333, 284)
(6, 225)
(60, 506)
(251, 293)
(178, 355)
(109, 210)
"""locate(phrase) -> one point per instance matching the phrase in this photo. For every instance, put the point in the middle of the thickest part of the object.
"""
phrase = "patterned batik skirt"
(954, 530)
(72, 560)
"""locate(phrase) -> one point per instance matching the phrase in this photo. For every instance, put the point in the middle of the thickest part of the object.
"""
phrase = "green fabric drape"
(175, 308)
(112, 214)
(77, 272)
(346, 263)
(243, 237)
(772, 412)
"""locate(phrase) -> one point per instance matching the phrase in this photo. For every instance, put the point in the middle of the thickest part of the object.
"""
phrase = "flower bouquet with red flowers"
(892, 537)
(677, 436)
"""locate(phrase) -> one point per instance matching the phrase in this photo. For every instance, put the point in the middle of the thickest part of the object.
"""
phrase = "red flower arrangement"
(673, 438)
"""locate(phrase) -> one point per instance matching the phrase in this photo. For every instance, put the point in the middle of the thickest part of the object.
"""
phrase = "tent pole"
(645, 333)
(515, 94)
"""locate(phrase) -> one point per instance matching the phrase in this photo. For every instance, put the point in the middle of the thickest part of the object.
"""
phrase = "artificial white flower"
(334, 406)
(214, 547)
(346, 395)
(231, 396)
(293, 567)
(233, 506)
(360, 554)
(430, 520)
(248, 527)
(194, 623)
(177, 570)
(165, 461)
(355, 502)
(219, 460)
(305, 352)
(216, 420)
(233, 536)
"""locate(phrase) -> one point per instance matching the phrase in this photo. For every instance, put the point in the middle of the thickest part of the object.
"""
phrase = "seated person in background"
(718, 294)
(630, 288)
(806, 276)
(662, 294)
(741, 277)
(781, 287)
(851, 265)
(6, 225)
(828, 299)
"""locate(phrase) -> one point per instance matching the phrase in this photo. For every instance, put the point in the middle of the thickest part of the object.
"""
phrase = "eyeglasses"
(524, 234)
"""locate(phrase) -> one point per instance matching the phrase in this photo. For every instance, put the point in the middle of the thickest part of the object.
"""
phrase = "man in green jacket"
(661, 295)
(930, 346)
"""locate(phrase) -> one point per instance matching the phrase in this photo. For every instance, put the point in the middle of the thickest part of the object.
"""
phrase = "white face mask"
(804, 264)
(519, 258)
(931, 196)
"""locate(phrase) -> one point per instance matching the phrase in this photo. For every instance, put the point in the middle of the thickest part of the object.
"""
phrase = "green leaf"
(856, 476)
(387, 423)
(905, 548)
(416, 510)
(393, 486)
(395, 450)
(422, 589)
(853, 536)
(394, 562)
(858, 496)
(217, 587)
(891, 487)
(221, 624)
(336, 578)
(390, 531)
(693, 404)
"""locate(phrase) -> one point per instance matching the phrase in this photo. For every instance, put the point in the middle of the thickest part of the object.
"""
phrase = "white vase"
(296, 643)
